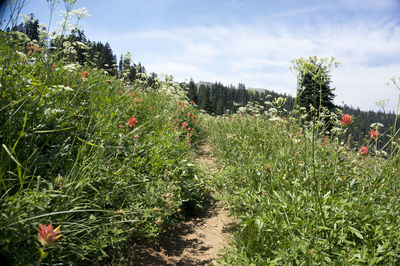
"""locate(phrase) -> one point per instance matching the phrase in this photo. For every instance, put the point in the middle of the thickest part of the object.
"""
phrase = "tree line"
(218, 99)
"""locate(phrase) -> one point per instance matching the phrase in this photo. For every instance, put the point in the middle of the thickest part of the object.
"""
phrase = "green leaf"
(356, 232)
(51, 130)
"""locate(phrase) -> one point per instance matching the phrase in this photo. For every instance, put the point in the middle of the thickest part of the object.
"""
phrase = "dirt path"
(195, 241)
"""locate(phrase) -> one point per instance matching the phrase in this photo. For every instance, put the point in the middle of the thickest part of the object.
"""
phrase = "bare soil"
(195, 241)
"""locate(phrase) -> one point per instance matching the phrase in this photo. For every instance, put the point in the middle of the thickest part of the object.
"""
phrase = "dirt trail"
(196, 241)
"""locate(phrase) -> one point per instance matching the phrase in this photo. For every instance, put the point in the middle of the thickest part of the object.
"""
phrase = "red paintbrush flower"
(48, 236)
(364, 150)
(84, 74)
(346, 120)
(132, 121)
(373, 133)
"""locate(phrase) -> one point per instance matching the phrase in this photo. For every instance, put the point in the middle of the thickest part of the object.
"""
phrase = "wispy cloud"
(260, 55)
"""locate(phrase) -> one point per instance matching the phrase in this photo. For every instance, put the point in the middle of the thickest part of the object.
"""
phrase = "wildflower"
(346, 120)
(364, 150)
(53, 66)
(255, 115)
(373, 133)
(133, 94)
(48, 236)
(151, 108)
(84, 74)
(137, 101)
(137, 136)
(30, 52)
(36, 48)
(325, 141)
(120, 126)
(376, 125)
(184, 124)
(230, 119)
(191, 102)
(120, 92)
(132, 122)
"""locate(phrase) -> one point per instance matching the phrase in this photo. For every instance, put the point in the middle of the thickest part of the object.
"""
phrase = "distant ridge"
(260, 90)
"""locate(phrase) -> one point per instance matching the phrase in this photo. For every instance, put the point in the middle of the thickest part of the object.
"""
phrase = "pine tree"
(314, 83)
(207, 104)
(192, 91)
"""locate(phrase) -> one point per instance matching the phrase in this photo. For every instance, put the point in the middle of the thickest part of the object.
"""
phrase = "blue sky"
(254, 41)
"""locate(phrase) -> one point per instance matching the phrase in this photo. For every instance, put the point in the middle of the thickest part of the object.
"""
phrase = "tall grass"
(71, 156)
(303, 197)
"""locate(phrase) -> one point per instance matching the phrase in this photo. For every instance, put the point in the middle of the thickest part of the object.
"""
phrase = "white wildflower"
(273, 110)
(52, 111)
(376, 125)
(80, 45)
(382, 153)
(57, 88)
(22, 55)
(80, 13)
(70, 67)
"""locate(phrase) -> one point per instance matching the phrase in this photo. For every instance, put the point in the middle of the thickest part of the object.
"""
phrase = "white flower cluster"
(81, 45)
(376, 125)
(70, 67)
(61, 87)
(381, 153)
(42, 32)
(27, 18)
(22, 56)
(49, 111)
(68, 48)
(173, 90)
(80, 13)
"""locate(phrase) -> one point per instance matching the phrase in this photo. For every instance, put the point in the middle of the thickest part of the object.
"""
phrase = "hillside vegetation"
(303, 197)
(94, 158)
(103, 158)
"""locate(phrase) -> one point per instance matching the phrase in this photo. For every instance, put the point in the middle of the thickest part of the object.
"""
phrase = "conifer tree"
(192, 91)
(207, 104)
(314, 83)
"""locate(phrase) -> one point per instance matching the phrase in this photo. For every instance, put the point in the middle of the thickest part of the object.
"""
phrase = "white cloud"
(259, 56)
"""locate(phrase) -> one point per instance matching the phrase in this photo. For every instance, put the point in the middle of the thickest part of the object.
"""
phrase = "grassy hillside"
(103, 158)
(302, 197)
